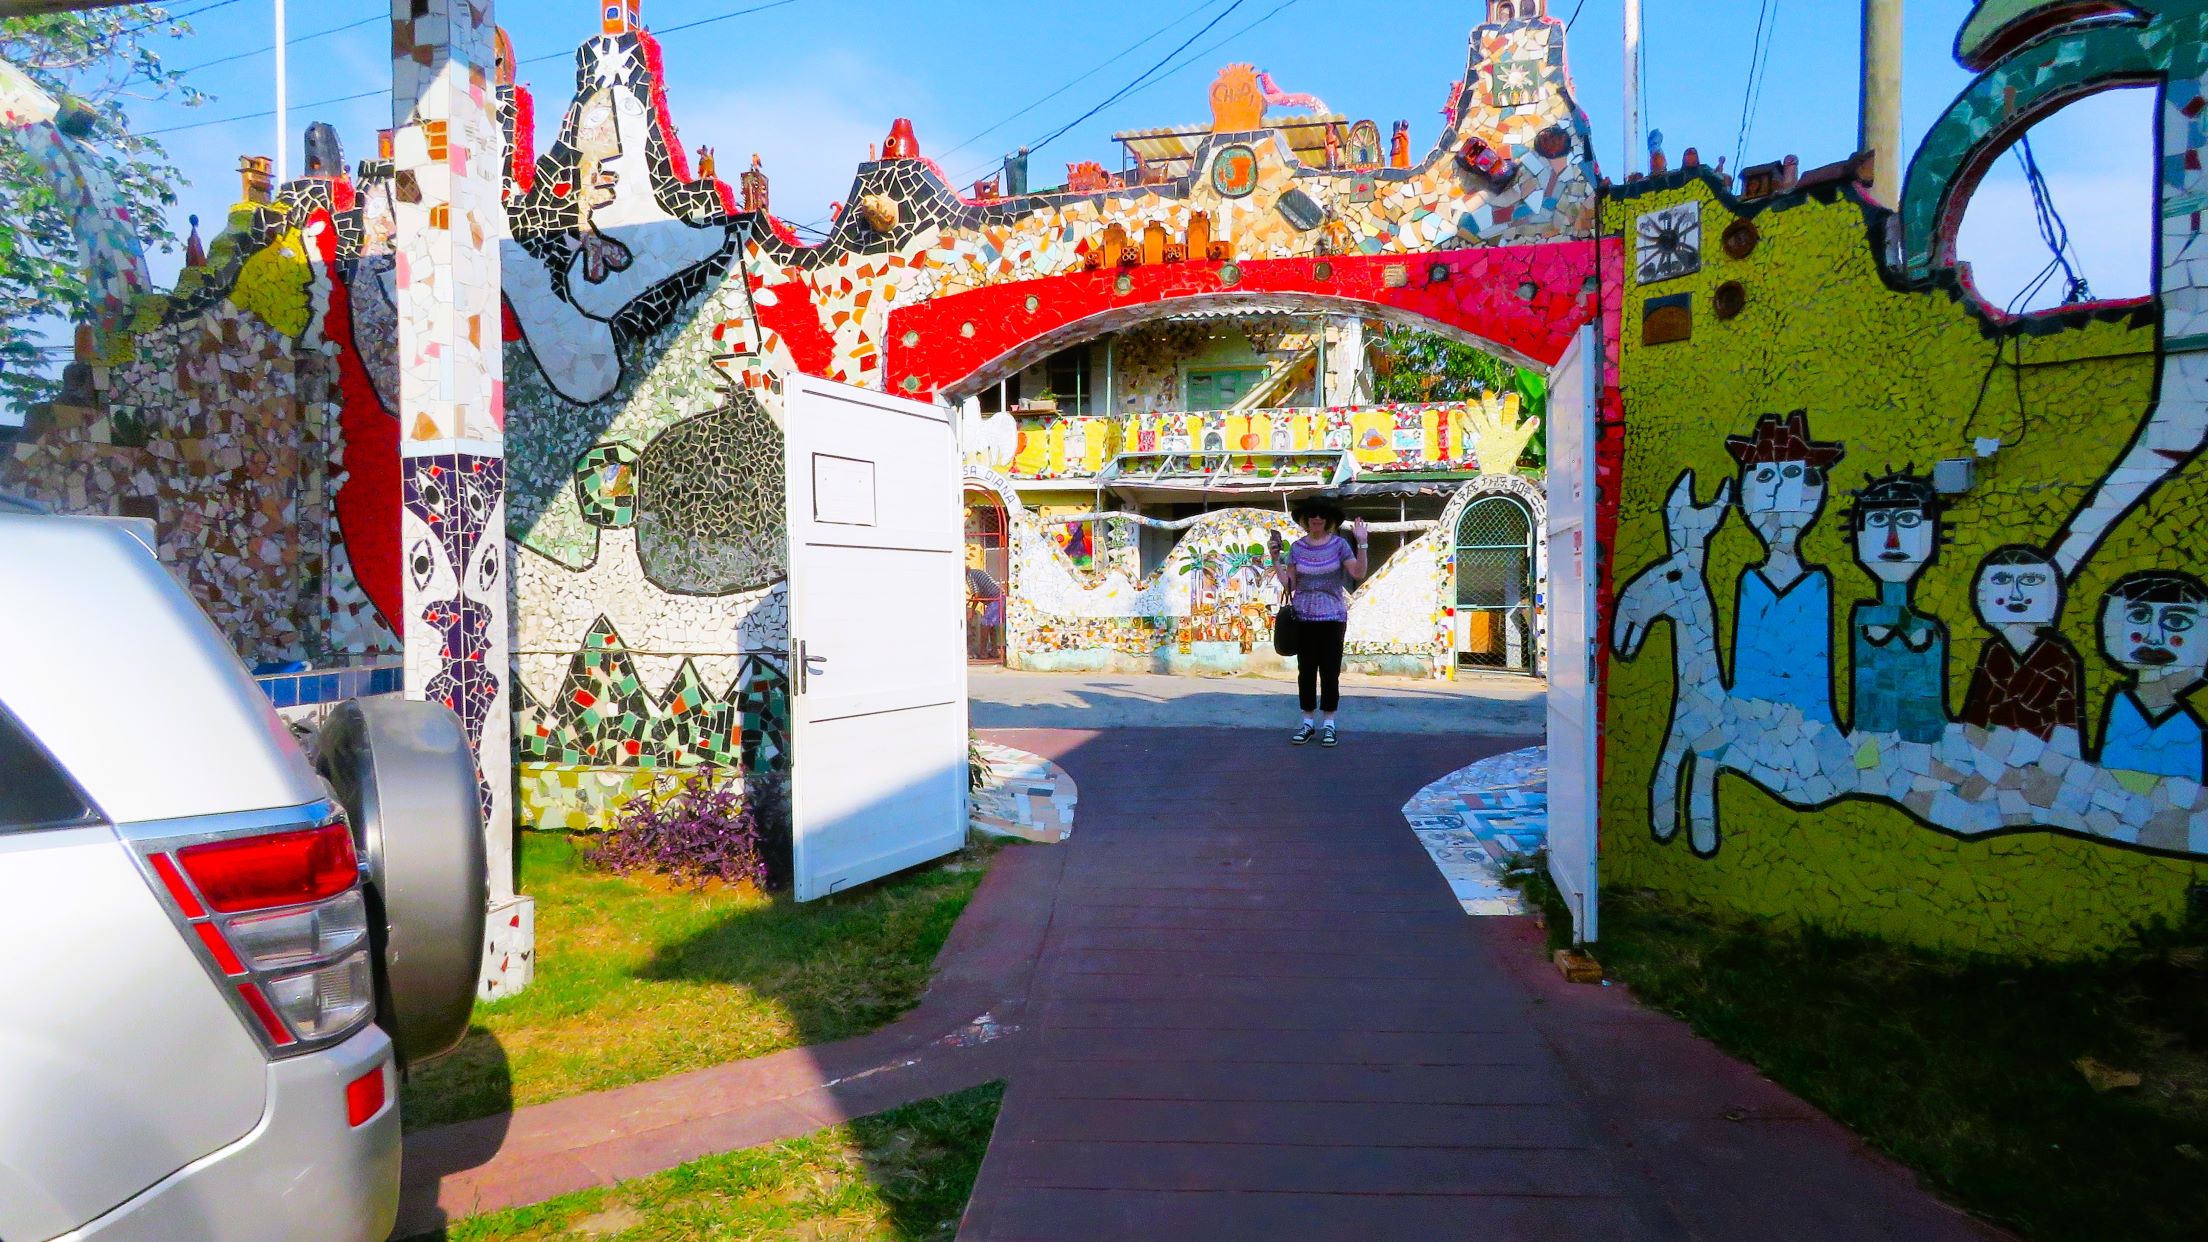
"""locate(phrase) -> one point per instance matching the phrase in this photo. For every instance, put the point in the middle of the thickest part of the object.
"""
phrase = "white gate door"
(877, 646)
(1573, 745)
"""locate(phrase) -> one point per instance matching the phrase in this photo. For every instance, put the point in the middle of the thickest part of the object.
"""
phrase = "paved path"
(1488, 703)
(1240, 1002)
(1258, 1013)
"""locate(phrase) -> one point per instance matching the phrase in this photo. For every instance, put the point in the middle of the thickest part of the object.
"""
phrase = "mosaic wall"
(1910, 629)
(653, 314)
(236, 413)
(1209, 607)
(649, 315)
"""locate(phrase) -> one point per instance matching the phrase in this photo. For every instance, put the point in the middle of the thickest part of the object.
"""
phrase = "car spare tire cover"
(407, 778)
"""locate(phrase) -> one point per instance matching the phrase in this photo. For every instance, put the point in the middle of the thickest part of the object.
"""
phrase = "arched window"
(988, 576)
(1495, 585)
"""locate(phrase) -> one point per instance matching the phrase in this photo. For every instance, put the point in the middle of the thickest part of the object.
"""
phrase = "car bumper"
(303, 1172)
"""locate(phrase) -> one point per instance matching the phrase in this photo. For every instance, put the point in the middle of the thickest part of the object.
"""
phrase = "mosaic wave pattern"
(1481, 820)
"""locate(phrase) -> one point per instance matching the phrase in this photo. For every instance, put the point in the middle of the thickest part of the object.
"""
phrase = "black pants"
(1319, 664)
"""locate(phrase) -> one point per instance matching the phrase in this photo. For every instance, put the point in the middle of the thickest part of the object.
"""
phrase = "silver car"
(215, 961)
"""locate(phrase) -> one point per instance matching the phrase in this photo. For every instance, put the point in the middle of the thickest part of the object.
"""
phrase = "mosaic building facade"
(1901, 591)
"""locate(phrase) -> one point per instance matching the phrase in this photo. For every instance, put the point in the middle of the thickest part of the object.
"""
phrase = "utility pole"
(283, 121)
(1880, 129)
(1633, 82)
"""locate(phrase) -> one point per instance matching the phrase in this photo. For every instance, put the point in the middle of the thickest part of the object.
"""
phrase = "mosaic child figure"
(2150, 624)
(1782, 636)
(1900, 654)
(2028, 677)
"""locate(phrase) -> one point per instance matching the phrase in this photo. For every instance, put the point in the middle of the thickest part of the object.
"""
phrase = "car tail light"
(327, 999)
(276, 941)
(276, 869)
(277, 913)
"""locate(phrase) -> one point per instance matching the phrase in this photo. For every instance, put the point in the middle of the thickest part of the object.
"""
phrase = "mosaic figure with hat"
(1782, 638)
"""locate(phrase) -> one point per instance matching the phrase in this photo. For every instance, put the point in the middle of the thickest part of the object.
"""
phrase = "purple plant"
(691, 826)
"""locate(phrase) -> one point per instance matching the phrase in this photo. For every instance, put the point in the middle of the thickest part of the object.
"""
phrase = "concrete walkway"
(1240, 1002)
(1259, 1013)
(1484, 703)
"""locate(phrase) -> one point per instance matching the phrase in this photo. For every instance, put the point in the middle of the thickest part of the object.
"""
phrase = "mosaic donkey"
(1967, 780)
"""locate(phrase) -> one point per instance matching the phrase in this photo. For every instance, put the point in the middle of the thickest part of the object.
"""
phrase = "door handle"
(805, 662)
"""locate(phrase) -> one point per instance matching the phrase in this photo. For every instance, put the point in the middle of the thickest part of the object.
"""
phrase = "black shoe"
(1303, 735)
(1326, 735)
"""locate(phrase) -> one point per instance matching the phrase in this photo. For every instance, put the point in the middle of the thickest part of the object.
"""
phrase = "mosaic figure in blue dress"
(1900, 654)
(2150, 624)
(1782, 631)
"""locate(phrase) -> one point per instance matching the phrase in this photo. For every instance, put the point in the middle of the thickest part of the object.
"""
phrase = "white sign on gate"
(1573, 745)
(878, 649)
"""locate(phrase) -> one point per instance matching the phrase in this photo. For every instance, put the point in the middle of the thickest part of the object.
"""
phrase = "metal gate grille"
(1495, 590)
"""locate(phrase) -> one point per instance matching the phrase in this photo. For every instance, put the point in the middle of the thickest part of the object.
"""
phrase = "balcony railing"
(1247, 445)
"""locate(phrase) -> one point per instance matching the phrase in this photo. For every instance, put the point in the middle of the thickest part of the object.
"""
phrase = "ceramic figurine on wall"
(1782, 645)
(2151, 626)
(1900, 654)
(2028, 677)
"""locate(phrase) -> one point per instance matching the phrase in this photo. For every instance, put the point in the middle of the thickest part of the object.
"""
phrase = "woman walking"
(1316, 574)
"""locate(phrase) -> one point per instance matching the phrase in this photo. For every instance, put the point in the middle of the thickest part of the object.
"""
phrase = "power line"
(1139, 79)
(254, 116)
(1216, 44)
(693, 25)
(1759, 62)
(261, 51)
(1122, 54)
(169, 20)
(1201, 52)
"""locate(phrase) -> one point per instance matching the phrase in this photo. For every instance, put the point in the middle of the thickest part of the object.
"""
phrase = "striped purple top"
(1322, 584)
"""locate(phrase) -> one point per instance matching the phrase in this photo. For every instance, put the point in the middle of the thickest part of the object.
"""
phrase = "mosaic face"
(1895, 544)
(1781, 499)
(2158, 640)
(2025, 593)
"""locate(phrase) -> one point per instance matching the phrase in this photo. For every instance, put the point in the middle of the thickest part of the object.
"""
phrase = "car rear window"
(34, 791)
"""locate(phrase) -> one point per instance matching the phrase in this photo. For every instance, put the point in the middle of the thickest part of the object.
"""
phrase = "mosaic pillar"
(447, 163)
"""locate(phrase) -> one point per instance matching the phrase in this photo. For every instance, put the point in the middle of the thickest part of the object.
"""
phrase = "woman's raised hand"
(1357, 530)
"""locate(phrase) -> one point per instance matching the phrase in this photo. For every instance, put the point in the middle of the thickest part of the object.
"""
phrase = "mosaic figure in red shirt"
(2029, 677)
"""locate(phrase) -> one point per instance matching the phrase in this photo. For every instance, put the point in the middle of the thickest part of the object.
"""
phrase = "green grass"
(905, 1174)
(1962, 1068)
(638, 980)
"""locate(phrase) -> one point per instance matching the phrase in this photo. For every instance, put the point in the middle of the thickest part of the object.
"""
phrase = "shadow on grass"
(903, 1175)
(1964, 1068)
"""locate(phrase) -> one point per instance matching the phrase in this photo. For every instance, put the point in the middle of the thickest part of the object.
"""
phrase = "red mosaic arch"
(1524, 300)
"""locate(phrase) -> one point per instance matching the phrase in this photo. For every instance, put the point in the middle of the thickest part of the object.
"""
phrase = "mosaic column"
(447, 163)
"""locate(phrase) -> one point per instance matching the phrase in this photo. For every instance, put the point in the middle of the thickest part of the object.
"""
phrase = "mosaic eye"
(2033, 579)
(1765, 474)
(486, 573)
(2139, 614)
(1793, 470)
(421, 563)
(1674, 575)
(2176, 621)
(1908, 518)
(2001, 577)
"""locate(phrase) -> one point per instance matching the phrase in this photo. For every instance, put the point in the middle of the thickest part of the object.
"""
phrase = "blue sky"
(809, 83)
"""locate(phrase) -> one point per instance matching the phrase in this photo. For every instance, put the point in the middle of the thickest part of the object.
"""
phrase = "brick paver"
(1259, 1013)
